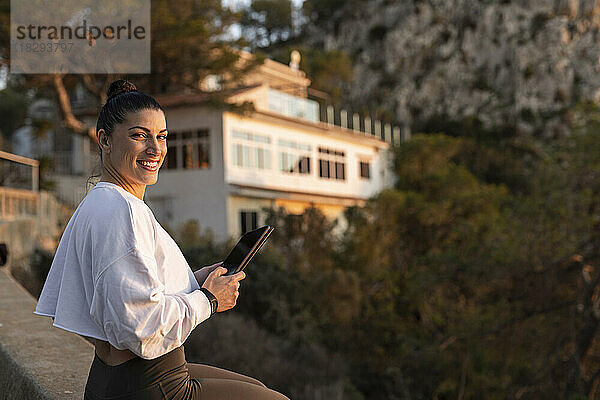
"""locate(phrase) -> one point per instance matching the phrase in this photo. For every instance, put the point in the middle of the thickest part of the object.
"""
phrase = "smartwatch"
(214, 304)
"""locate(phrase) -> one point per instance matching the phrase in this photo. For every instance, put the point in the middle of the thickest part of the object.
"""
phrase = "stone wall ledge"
(37, 360)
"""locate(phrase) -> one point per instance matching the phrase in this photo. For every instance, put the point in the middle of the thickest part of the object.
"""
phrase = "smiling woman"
(132, 150)
(118, 276)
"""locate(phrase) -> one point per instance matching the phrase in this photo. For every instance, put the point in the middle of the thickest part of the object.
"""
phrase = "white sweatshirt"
(118, 276)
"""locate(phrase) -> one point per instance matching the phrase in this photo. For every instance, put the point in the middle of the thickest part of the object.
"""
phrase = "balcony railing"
(293, 106)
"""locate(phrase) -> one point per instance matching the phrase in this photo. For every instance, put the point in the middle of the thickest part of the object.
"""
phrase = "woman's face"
(135, 151)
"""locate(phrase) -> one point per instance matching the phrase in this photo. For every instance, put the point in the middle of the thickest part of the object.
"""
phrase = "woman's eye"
(162, 137)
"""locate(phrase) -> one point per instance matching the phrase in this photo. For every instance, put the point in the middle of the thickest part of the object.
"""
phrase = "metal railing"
(366, 125)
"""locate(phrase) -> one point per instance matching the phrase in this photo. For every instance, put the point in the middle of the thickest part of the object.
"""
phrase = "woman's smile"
(150, 165)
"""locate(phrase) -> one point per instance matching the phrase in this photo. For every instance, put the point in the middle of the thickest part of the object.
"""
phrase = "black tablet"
(246, 248)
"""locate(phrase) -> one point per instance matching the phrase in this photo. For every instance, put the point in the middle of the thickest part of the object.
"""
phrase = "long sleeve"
(130, 304)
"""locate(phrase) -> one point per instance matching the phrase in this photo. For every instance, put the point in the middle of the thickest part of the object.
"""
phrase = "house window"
(171, 161)
(292, 163)
(365, 170)
(332, 164)
(250, 150)
(188, 149)
(294, 158)
(248, 221)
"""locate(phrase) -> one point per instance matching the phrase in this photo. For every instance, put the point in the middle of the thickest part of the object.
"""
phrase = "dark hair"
(122, 98)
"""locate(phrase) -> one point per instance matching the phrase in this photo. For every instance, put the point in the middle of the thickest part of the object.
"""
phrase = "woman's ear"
(104, 141)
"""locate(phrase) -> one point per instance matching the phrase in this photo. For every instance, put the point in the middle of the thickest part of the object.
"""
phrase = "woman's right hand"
(224, 288)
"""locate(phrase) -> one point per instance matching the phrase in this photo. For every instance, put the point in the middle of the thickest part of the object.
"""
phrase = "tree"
(189, 42)
(4, 32)
(329, 70)
(319, 11)
(13, 108)
(471, 290)
(265, 22)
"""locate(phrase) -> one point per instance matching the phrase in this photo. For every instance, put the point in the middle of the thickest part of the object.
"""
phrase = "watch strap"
(214, 304)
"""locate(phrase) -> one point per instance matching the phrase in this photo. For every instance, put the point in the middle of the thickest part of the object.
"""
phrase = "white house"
(223, 167)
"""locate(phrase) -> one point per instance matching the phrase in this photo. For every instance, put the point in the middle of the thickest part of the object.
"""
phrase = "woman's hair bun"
(118, 87)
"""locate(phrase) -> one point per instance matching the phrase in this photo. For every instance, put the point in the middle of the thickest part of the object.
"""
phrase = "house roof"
(185, 99)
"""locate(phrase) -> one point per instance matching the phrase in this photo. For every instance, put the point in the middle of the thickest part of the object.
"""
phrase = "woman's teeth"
(149, 164)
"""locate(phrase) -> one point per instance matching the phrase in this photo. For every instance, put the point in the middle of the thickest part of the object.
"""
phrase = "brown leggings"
(171, 377)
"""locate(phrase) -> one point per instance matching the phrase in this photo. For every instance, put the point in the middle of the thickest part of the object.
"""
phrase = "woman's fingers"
(239, 276)
(224, 287)
(219, 271)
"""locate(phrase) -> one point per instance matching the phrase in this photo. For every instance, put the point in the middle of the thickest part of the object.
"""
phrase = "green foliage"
(45, 170)
(4, 31)
(33, 270)
(13, 108)
(322, 10)
(485, 278)
(300, 236)
(300, 370)
(190, 41)
(329, 70)
(267, 21)
(200, 249)
(188, 44)
(455, 286)
(278, 339)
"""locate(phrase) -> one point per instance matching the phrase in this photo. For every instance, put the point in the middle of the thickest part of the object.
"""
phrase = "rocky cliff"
(520, 65)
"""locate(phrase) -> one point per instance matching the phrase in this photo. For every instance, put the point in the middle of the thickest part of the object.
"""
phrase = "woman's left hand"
(203, 273)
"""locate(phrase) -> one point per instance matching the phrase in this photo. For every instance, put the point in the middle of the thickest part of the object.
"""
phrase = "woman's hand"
(203, 273)
(224, 288)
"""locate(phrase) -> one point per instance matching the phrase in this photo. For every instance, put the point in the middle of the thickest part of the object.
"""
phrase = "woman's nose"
(153, 147)
(151, 150)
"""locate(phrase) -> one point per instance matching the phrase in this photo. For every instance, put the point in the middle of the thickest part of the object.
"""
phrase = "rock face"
(519, 64)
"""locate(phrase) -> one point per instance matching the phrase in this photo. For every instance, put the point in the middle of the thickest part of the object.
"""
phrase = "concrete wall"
(37, 361)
